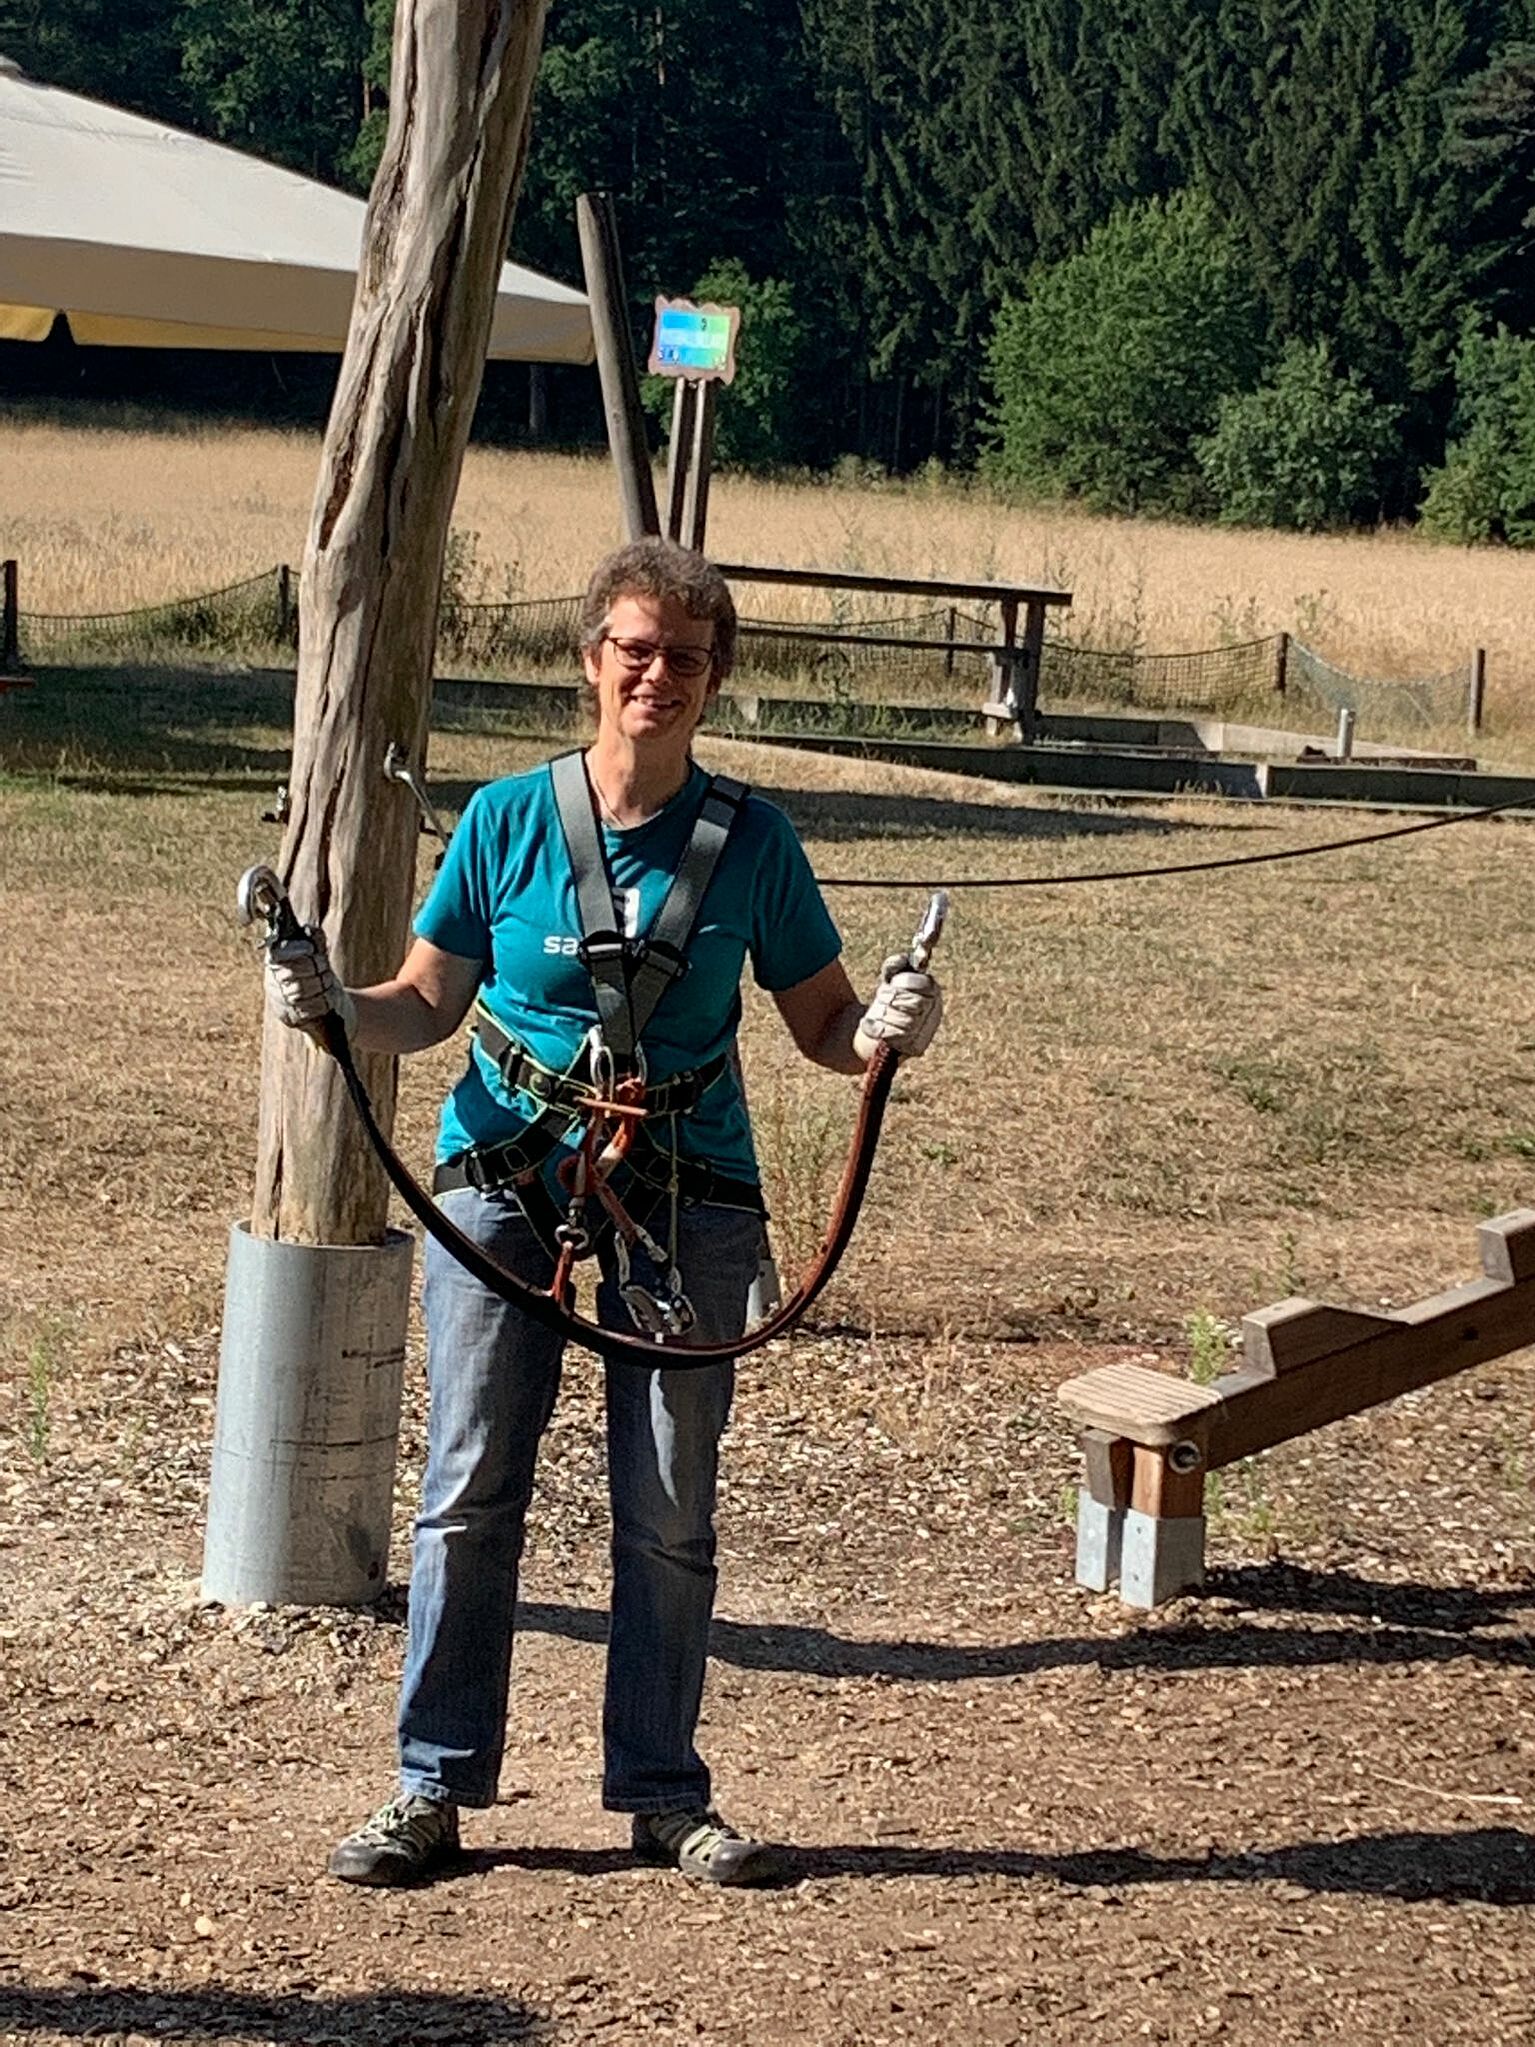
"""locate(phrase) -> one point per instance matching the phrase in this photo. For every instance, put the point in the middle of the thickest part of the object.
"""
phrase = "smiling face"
(647, 701)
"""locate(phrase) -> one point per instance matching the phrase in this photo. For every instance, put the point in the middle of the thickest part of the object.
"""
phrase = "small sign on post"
(696, 342)
(697, 346)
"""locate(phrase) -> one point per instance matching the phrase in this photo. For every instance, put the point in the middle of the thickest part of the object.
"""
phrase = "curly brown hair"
(660, 568)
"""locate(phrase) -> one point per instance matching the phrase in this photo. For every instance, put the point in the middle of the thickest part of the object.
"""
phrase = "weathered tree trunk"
(433, 244)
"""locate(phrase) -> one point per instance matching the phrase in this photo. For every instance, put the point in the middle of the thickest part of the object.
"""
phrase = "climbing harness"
(630, 972)
(630, 975)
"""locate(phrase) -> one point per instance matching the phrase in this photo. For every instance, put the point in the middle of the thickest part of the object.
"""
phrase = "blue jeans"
(494, 1375)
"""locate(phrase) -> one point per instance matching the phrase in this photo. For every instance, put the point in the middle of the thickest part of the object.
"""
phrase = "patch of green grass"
(45, 1364)
(1209, 1341)
(1238, 1503)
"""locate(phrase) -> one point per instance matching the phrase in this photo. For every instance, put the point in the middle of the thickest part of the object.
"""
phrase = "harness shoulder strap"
(663, 954)
(629, 977)
(603, 951)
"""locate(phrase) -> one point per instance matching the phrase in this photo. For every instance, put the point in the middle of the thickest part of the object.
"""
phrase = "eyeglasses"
(685, 662)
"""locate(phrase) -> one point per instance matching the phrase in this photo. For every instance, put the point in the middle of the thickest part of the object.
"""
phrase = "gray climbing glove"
(904, 1012)
(302, 984)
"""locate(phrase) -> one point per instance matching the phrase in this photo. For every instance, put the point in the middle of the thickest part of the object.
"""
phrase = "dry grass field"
(115, 518)
(1298, 1809)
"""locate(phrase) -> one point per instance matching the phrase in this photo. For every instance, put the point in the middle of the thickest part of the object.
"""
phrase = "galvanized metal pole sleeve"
(307, 1422)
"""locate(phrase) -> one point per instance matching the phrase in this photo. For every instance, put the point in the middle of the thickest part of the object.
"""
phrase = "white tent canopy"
(148, 237)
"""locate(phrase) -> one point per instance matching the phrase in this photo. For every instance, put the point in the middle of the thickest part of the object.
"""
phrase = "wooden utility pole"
(597, 226)
(433, 245)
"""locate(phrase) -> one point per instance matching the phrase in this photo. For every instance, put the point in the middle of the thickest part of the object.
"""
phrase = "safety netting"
(857, 651)
(243, 618)
(1428, 705)
(1220, 679)
(533, 634)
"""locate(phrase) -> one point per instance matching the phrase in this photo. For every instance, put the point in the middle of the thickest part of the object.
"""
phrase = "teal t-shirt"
(505, 896)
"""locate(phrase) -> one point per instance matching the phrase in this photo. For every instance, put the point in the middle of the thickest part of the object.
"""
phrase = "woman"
(539, 863)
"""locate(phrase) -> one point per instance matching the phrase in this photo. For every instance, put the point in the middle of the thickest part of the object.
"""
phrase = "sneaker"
(703, 1847)
(404, 1843)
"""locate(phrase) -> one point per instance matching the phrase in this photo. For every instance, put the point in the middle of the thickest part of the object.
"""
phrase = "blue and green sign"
(694, 341)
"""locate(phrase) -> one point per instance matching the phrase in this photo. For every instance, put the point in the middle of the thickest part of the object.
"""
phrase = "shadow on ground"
(1491, 1865)
(385, 2019)
(159, 731)
(1425, 1625)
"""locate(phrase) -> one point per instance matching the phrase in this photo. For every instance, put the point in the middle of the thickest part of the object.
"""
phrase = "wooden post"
(695, 503)
(1002, 669)
(600, 257)
(948, 652)
(1281, 663)
(1476, 696)
(1162, 1544)
(1101, 1504)
(679, 456)
(285, 619)
(433, 243)
(10, 618)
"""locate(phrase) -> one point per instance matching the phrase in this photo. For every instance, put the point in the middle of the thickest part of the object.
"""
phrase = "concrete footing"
(1149, 1557)
(308, 1418)
(1160, 1558)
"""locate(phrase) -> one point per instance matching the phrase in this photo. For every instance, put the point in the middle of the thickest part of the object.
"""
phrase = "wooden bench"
(1013, 663)
(1149, 1440)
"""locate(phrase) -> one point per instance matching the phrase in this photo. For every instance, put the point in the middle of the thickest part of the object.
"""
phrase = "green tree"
(125, 51)
(361, 159)
(1491, 139)
(1305, 449)
(1485, 489)
(280, 80)
(1113, 361)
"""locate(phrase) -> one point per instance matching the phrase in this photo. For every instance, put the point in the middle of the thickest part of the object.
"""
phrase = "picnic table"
(1013, 660)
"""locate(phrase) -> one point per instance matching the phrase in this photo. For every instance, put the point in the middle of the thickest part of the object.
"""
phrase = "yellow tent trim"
(25, 323)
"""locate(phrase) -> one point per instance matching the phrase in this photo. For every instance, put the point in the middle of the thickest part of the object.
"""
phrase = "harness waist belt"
(494, 1168)
(522, 1073)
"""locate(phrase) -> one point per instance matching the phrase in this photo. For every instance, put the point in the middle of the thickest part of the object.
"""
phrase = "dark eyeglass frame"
(687, 663)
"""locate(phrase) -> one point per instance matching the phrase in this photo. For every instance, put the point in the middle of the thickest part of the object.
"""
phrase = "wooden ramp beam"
(1149, 1439)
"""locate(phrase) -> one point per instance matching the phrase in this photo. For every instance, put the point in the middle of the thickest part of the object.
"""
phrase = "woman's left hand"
(904, 1012)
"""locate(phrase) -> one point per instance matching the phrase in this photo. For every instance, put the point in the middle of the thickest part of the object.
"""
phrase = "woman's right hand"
(302, 985)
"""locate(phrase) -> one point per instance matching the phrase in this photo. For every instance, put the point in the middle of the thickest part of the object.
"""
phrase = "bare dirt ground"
(1298, 1808)
(1295, 1809)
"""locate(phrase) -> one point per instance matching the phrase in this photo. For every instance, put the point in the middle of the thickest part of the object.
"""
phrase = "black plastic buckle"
(602, 948)
(674, 962)
(487, 1170)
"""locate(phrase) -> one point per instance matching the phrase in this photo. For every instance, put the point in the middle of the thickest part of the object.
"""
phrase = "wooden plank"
(684, 406)
(695, 500)
(1431, 1340)
(1508, 1245)
(1130, 1401)
(10, 615)
(1106, 1464)
(999, 655)
(1298, 1331)
(1025, 690)
(911, 586)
